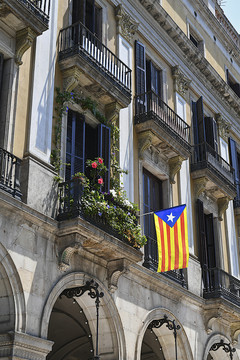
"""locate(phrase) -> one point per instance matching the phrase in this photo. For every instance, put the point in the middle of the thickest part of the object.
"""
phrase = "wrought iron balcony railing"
(70, 206)
(151, 262)
(204, 156)
(40, 8)
(219, 284)
(10, 173)
(150, 106)
(77, 39)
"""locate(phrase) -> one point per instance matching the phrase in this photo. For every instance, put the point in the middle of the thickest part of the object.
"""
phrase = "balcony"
(151, 262)
(219, 284)
(21, 14)
(168, 130)
(10, 174)
(97, 69)
(218, 174)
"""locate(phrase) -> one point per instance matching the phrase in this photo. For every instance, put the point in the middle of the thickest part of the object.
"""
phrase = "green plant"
(114, 207)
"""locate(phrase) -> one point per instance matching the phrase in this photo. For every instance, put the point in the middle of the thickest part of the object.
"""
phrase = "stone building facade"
(166, 73)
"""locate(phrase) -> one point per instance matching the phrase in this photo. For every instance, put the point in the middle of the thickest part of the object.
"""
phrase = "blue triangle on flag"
(170, 216)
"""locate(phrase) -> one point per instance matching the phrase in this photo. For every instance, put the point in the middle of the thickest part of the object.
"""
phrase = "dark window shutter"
(211, 132)
(1, 72)
(211, 256)
(78, 11)
(98, 22)
(104, 143)
(75, 147)
(201, 235)
(140, 68)
(227, 76)
(195, 123)
(236, 89)
(152, 201)
(90, 15)
(200, 119)
(234, 163)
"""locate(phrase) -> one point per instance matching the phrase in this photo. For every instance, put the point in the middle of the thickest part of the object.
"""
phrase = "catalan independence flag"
(172, 238)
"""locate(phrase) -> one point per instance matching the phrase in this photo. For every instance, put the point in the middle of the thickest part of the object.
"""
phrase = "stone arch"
(165, 336)
(109, 317)
(215, 355)
(12, 302)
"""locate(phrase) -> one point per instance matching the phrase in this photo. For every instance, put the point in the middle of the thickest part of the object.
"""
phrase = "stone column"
(126, 27)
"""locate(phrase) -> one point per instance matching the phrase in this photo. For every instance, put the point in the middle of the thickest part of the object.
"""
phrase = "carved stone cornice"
(116, 268)
(174, 167)
(4, 10)
(144, 142)
(126, 25)
(71, 78)
(24, 40)
(223, 127)
(180, 81)
(222, 206)
(199, 186)
(112, 112)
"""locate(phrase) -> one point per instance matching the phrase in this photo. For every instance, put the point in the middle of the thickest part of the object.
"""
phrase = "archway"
(214, 349)
(79, 315)
(164, 346)
(12, 302)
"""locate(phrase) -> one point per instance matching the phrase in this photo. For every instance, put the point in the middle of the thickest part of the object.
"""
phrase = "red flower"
(100, 160)
(100, 181)
(94, 165)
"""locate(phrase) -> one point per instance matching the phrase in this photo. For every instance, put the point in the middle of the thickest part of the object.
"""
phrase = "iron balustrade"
(151, 262)
(218, 283)
(149, 105)
(41, 8)
(77, 39)
(70, 206)
(10, 173)
(203, 155)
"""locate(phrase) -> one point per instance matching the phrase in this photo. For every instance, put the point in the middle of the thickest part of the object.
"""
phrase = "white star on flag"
(170, 217)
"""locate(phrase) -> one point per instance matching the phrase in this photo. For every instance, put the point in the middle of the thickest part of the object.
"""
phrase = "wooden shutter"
(234, 163)
(75, 147)
(98, 22)
(1, 72)
(78, 11)
(236, 89)
(211, 132)
(209, 229)
(195, 123)
(104, 143)
(201, 235)
(140, 78)
(200, 120)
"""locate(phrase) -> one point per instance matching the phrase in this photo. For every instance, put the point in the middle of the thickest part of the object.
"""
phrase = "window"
(204, 129)
(196, 39)
(89, 14)
(235, 162)
(207, 252)
(152, 201)
(85, 141)
(234, 85)
(148, 78)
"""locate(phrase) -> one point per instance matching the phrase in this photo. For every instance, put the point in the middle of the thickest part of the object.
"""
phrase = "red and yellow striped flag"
(172, 238)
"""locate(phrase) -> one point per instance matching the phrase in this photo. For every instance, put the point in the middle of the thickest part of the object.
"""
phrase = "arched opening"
(71, 323)
(151, 347)
(69, 330)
